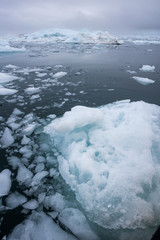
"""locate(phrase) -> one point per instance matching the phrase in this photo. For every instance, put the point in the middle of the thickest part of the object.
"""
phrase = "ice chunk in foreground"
(7, 138)
(39, 226)
(147, 68)
(5, 182)
(110, 158)
(77, 223)
(143, 81)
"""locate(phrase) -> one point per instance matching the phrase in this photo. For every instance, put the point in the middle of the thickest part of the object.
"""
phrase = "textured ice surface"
(5, 182)
(143, 81)
(147, 68)
(110, 158)
(39, 226)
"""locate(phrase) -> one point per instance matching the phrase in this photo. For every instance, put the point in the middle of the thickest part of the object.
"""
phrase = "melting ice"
(109, 156)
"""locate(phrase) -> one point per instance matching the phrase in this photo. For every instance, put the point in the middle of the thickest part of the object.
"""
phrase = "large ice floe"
(109, 156)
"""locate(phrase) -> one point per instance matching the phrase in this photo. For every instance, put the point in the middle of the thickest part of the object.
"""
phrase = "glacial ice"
(5, 182)
(109, 156)
(143, 81)
(147, 68)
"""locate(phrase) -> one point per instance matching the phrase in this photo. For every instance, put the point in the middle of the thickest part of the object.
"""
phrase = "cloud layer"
(113, 15)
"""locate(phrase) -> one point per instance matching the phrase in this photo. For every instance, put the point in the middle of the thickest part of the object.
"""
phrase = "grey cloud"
(20, 16)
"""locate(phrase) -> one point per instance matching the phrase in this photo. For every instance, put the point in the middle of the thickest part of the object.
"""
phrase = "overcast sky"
(23, 16)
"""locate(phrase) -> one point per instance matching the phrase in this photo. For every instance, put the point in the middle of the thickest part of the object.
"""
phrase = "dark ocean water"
(93, 79)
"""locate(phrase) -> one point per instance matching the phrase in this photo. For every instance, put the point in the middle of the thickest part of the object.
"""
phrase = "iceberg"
(109, 156)
(71, 36)
(147, 68)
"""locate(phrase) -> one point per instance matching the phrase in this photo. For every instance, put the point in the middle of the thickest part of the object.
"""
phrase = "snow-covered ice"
(143, 81)
(5, 182)
(147, 68)
(109, 157)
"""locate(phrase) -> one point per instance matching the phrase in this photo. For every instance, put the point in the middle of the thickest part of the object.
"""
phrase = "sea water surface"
(56, 164)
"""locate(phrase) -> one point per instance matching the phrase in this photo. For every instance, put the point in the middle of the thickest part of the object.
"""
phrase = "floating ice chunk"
(16, 111)
(29, 129)
(15, 199)
(24, 175)
(7, 139)
(110, 158)
(38, 177)
(131, 71)
(79, 116)
(25, 140)
(41, 74)
(143, 81)
(5, 77)
(39, 226)
(39, 167)
(59, 74)
(26, 151)
(5, 182)
(147, 68)
(55, 202)
(7, 91)
(14, 162)
(36, 96)
(32, 90)
(74, 219)
(32, 204)
(11, 66)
